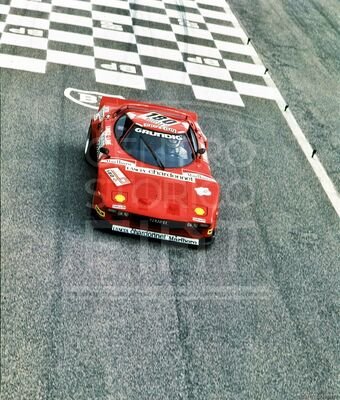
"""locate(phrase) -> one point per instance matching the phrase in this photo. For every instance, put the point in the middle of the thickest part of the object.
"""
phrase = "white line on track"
(307, 149)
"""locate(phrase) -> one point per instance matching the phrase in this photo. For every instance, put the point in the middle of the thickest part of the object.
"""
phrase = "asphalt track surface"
(87, 315)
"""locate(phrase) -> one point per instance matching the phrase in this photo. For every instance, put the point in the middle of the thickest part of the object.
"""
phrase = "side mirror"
(201, 151)
(104, 150)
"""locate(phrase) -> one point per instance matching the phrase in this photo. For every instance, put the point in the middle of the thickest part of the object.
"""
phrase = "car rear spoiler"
(133, 104)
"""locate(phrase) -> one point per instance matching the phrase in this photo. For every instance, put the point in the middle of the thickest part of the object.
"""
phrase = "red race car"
(154, 178)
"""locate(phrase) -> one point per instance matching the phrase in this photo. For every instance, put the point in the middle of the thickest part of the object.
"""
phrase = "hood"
(157, 193)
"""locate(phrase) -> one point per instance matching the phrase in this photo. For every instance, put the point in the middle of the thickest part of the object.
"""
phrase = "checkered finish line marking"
(197, 44)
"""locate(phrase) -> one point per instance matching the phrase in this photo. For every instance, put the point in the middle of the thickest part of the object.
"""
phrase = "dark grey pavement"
(299, 42)
(88, 315)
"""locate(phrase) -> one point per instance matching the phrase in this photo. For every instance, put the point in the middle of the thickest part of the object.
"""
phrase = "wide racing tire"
(90, 149)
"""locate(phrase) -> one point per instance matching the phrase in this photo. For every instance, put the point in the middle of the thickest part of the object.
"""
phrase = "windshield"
(164, 150)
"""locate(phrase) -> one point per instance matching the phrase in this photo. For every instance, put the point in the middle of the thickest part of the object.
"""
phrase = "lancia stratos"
(153, 174)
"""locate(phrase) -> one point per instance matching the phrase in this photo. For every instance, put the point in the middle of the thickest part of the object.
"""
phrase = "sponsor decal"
(117, 161)
(108, 135)
(155, 235)
(119, 206)
(117, 176)
(164, 128)
(161, 173)
(101, 113)
(100, 212)
(158, 134)
(159, 119)
(104, 139)
(159, 221)
(199, 176)
(131, 166)
(203, 191)
(202, 220)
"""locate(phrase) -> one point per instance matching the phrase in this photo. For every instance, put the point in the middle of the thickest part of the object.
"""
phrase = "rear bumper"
(114, 226)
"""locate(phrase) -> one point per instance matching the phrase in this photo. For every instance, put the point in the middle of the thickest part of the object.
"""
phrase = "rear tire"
(90, 149)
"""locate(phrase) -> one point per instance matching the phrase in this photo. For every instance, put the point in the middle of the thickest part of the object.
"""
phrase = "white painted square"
(166, 75)
(127, 57)
(207, 71)
(71, 19)
(70, 37)
(4, 9)
(24, 41)
(198, 50)
(28, 22)
(32, 5)
(251, 89)
(159, 52)
(112, 3)
(185, 16)
(192, 32)
(120, 79)
(22, 63)
(66, 58)
(154, 33)
(235, 48)
(124, 37)
(185, 3)
(217, 96)
(228, 31)
(222, 16)
(149, 3)
(216, 3)
(149, 16)
(115, 18)
(244, 68)
(76, 4)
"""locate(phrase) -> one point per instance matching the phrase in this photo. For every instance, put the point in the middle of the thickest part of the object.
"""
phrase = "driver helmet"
(173, 143)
